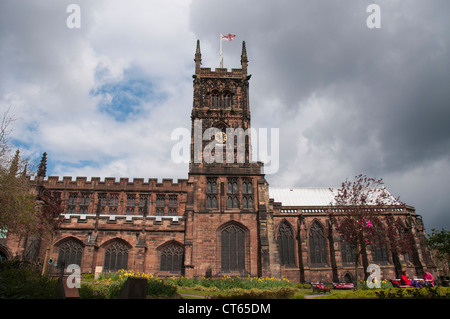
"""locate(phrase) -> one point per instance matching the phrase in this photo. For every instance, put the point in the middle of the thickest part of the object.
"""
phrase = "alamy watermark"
(374, 279)
(230, 146)
(74, 279)
(73, 21)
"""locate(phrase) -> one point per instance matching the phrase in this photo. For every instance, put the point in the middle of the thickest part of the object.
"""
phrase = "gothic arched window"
(70, 253)
(317, 246)
(379, 252)
(233, 249)
(347, 252)
(215, 99)
(226, 99)
(116, 257)
(172, 258)
(286, 245)
(379, 248)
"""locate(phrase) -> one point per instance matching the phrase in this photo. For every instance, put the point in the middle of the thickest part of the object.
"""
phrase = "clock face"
(220, 137)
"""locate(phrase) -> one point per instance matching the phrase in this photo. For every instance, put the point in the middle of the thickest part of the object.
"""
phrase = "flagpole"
(221, 53)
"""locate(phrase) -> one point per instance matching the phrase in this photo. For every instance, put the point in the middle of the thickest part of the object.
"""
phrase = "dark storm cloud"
(387, 88)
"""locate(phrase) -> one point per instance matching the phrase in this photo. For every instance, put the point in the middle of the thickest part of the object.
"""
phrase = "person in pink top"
(428, 279)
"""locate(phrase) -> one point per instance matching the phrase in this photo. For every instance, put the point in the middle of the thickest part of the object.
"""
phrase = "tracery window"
(113, 203)
(71, 203)
(160, 200)
(247, 197)
(285, 241)
(102, 199)
(70, 253)
(172, 259)
(379, 248)
(317, 246)
(131, 203)
(116, 257)
(84, 204)
(379, 252)
(232, 191)
(173, 199)
(143, 204)
(215, 99)
(219, 99)
(347, 252)
(233, 249)
(211, 201)
(227, 99)
(211, 191)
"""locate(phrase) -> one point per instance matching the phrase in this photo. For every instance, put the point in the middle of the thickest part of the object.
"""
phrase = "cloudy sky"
(103, 99)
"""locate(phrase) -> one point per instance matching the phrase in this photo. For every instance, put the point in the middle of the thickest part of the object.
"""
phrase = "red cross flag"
(227, 37)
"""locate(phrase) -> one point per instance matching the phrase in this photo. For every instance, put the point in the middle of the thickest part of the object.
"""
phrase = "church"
(224, 219)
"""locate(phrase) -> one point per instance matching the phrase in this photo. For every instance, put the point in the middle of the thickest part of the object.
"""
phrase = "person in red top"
(409, 282)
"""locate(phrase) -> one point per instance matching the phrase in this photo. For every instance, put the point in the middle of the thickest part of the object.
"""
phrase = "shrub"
(90, 291)
(114, 288)
(383, 285)
(239, 293)
(156, 287)
(160, 288)
(414, 293)
(23, 280)
(228, 282)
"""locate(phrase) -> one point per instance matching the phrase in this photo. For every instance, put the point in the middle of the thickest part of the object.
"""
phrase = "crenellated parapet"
(105, 222)
(123, 183)
(83, 198)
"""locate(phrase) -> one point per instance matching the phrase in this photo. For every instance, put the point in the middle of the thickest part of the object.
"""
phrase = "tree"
(439, 243)
(22, 211)
(17, 203)
(356, 212)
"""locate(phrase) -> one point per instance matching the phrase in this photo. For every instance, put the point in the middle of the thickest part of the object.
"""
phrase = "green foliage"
(439, 241)
(114, 288)
(414, 293)
(160, 288)
(157, 287)
(228, 282)
(21, 280)
(254, 293)
(357, 294)
(383, 285)
(91, 291)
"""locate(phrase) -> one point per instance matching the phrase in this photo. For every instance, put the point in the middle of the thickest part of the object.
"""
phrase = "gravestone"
(98, 271)
(134, 288)
(64, 292)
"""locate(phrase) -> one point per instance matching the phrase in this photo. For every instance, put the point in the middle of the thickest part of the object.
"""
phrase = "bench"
(346, 286)
(397, 283)
(320, 287)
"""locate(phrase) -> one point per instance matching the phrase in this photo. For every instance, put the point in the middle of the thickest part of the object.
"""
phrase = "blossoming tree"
(356, 212)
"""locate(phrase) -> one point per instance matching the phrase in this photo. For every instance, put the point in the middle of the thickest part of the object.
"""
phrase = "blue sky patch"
(124, 99)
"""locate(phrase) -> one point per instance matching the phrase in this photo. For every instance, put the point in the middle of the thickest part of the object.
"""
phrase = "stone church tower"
(229, 222)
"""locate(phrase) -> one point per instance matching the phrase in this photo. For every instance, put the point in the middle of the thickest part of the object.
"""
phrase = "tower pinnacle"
(244, 60)
(198, 58)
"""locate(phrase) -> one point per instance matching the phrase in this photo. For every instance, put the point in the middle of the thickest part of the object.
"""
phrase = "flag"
(227, 37)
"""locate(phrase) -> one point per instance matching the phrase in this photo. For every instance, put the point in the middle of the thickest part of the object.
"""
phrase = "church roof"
(307, 196)
(320, 196)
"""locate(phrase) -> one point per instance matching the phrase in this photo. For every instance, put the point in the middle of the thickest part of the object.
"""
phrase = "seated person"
(409, 282)
(428, 279)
